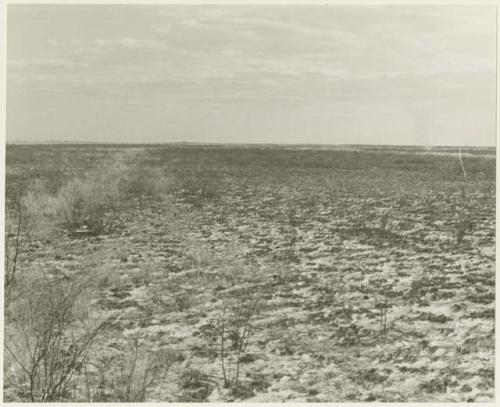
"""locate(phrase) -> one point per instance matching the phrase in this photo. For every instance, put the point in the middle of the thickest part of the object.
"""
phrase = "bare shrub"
(235, 327)
(130, 378)
(383, 307)
(92, 203)
(48, 337)
(70, 205)
(28, 216)
(13, 245)
(39, 209)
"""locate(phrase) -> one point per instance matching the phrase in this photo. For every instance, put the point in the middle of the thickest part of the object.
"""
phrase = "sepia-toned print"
(249, 203)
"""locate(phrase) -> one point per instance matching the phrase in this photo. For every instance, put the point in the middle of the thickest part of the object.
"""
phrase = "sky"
(408, 75)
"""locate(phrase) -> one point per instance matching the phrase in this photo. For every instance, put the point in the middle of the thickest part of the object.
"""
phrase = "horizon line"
(83, 142)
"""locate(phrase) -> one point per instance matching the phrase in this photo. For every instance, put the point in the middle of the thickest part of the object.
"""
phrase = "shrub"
(13, 246)
(241, 391)
(70, 204)
(38, 207)
(183, 302)
(129, 377)
(91, 203)
(48, 337)
(234, 329)
(195, 385)
(28, 216)
(383, 306)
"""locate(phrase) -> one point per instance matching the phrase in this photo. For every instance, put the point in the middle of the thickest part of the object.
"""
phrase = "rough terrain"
(365, 292)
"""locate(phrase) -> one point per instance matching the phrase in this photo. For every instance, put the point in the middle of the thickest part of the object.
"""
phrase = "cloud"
(148, 43)
(352, 59)
(48, 62)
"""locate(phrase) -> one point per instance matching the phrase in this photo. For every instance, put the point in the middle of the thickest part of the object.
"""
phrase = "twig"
(222, 346)
(461, 162)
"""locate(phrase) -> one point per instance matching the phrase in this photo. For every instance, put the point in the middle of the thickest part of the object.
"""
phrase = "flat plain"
(250, 273)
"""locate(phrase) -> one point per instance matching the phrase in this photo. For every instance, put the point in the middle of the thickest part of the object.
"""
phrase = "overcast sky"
(266, 74)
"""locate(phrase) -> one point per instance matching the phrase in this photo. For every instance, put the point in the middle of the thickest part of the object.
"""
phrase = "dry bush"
(235, 327)
(13, 246)
(92, 203)
(70, 203)
(49, 338)
(196, 386)
(48, 335)
(27, 217)
(38, 207)
(129, 376)
(95, 202)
